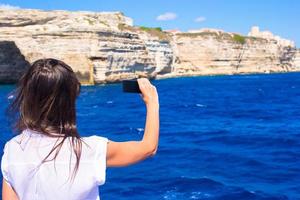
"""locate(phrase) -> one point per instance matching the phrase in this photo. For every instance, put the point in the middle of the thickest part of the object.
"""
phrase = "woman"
(37, 163)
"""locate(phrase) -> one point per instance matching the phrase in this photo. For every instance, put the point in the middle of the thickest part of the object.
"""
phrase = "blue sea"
(221, 137)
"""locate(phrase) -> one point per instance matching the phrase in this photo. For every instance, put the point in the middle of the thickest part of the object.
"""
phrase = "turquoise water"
(222, 137)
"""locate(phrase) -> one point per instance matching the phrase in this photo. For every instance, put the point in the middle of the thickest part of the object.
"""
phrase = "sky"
(281, 17)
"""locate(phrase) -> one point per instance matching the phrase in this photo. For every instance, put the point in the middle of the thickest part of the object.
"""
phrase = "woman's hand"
(149, 93)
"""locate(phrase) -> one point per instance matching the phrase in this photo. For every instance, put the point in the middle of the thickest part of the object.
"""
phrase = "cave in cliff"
(12, 62)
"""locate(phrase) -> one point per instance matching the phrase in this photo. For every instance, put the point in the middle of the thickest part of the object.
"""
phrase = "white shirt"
(52, 180)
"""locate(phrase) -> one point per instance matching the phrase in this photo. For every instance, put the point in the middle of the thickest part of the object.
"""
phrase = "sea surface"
(221, 137)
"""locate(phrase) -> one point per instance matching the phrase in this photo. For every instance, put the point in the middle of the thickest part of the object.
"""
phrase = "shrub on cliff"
(125, 27)
(144, 28)
(156, 31)
(239, 39)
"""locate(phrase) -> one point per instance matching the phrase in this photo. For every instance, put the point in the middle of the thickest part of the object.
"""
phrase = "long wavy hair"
(44, 101)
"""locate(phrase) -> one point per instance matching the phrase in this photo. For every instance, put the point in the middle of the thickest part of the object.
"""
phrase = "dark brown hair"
(44, 101)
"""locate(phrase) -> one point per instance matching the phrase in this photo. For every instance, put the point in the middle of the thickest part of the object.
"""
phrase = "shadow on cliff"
(12, 62)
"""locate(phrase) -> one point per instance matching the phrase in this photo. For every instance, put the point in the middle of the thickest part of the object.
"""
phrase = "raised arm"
(126, 153)
(8, 192)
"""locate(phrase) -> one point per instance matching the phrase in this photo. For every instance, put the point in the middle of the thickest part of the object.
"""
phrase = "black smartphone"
(131, 86)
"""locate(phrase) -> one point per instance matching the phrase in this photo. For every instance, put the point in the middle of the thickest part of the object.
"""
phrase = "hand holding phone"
(143, 86)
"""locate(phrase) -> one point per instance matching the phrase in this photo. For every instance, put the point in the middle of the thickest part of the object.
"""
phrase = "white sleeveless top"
(20, 166)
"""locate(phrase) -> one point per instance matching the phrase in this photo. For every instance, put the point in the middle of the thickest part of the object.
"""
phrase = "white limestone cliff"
(217, 52)
(106, 47)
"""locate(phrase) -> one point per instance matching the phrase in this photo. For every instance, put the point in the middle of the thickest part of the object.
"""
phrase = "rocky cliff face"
(121, 55)
(225, 53)
(106, 47)
(12, 62)
(296, 60)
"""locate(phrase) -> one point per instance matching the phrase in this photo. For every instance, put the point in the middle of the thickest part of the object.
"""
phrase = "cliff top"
(33, 21)
(62, 19)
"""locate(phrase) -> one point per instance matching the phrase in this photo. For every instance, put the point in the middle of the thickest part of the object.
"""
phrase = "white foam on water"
(139, 129)
(199, 195)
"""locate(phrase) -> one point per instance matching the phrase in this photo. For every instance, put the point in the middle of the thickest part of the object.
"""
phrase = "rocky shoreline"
(106, 47)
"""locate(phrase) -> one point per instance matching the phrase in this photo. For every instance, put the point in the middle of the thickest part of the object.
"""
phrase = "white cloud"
(166, 16)
(200, 19)
(8, 7)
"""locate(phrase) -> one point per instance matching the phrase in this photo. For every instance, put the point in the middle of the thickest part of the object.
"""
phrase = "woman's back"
(54, 161)
(22, 168)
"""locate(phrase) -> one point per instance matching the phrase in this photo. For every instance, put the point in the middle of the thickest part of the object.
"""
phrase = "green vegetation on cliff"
(144, 28)
(206, 34)
(124, 27)
(239, 39)
(221, 36)
(153, 31)
(156, 31)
